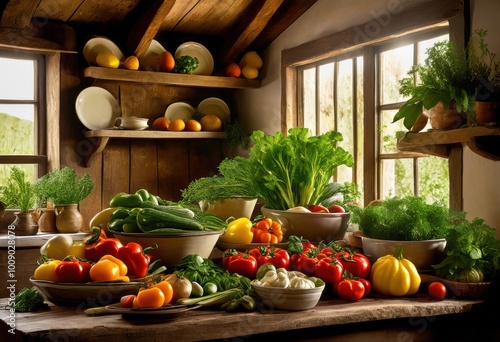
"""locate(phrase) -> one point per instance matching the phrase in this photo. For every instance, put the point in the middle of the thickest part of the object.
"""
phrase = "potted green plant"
(484, 72)
(236, 140)
(19, 193)
(441, 85)
(65, 191)
(229, 193)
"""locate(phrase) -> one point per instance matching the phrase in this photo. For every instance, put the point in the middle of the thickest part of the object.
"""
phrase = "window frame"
(39, 158)
(428, 16)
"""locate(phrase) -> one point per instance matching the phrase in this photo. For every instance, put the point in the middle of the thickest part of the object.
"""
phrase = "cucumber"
(150, 219)
(184, 212)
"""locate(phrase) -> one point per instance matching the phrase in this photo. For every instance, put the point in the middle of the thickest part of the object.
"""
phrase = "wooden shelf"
(139, 76)
(103, 137)
(483, 140)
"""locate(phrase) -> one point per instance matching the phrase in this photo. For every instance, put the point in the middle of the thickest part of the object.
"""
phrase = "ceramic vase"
(444, 119)
(47, 221)
(68, 218)
(25, 224)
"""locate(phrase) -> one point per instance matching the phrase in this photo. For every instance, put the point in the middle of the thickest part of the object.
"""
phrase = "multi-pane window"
(331, 94)
(22, 114)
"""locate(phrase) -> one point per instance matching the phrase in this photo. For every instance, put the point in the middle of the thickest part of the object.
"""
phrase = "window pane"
(29, 169)
(326, 105)
(426, 44)
(17, 129)
(309, 99)
(397, 179)
(360, 124)
(388, 131)
(345, 114)
(394, 65)
(18, 79)
(434, 180)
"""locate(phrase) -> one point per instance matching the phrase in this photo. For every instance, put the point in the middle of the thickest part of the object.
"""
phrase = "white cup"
(131, 122)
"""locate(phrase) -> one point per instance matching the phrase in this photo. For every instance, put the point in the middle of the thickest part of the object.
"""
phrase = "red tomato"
(367, 285)
(330, 270)
(317, 208)
(276, 256)
(350, 289)
(243, 264)
(335, 208)
(357, 264)
(127, 301)
(305, 262)
(437, 290)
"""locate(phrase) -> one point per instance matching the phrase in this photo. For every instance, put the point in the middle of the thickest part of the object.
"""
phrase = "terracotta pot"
(68, 218)
(25, 224)
(446, 119)
(47, 221)
(487, 112)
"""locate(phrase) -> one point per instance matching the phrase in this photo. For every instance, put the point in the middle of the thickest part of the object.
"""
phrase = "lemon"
(211, 122)
(107, 60)
(250, 72)
(252, 59)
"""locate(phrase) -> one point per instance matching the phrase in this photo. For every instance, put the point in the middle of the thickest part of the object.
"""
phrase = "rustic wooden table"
(59, 323)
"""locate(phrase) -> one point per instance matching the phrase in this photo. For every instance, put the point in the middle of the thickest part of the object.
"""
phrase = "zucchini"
(150, 219)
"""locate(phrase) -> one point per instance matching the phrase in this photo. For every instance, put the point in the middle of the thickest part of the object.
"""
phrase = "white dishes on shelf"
(216, 106)
(197, 50)
(179, 110)
(149, 60)
(97, 108)
(97, 45)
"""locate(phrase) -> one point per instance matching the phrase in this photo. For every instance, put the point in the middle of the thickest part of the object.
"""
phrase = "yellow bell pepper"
(238, 231)
(46, 271)
(394, 275)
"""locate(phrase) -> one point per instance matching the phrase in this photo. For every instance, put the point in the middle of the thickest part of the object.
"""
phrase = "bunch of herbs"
(62, 186)
(403, 219)
(295, 170)
(18, 192)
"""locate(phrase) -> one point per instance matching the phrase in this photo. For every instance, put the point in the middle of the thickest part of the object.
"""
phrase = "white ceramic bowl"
(172, 248)
(422, 254)
(288, 299)
(235, 207)
(314, 227)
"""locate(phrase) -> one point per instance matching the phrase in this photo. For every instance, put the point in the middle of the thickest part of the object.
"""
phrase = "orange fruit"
(166, 61)
(131, 63)
(161, 123)
(250, 72)
(233, 70)
(211, 122)
(176, 125)
(193, 125)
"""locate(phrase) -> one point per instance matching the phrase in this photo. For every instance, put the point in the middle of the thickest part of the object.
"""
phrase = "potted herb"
(484, 72)
(236, 141)
(19, 193)
(441, 85)
(230, 193)
(65, 191)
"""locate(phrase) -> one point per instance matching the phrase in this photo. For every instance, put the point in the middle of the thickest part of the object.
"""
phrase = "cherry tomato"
(336, 209)
(167, 290)
(437, 290)
(151, 297)
(127, 301)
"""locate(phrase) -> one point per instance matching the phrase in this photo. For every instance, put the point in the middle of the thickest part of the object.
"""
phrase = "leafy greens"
(295, 170)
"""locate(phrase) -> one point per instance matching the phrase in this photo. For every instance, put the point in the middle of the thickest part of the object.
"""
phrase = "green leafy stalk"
(18, 192)
(185, 64)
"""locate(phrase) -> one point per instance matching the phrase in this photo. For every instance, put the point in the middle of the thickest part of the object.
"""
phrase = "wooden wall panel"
(143, 165)
(173, 168)
(115, 169)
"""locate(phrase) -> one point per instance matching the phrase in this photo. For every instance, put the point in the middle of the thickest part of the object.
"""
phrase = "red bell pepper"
(73, 271)
(357, 264)
(99, 245)
(136, 259)
(330, 270)
(276, 256)
(241, 263)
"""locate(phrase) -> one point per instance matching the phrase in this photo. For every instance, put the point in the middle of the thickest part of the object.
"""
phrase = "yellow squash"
(393, 275)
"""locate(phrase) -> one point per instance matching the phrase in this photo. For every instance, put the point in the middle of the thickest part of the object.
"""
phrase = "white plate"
(179, 110)
(197, 50)
(97, 45)
(149, 61)
(97, 108)
(214, 105)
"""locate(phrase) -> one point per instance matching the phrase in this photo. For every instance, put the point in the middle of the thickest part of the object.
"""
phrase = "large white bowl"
(172, 248)
(235, 207)
(287, 298)
(422, 254)
(314, 227)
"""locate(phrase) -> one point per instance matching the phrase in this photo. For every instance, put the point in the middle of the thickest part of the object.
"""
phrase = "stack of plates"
(216, 106)
(97, 45)
(197, 50)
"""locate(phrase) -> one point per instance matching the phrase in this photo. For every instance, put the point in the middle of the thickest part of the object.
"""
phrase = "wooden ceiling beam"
(146, 28)
(17, 14)
(248, 29)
